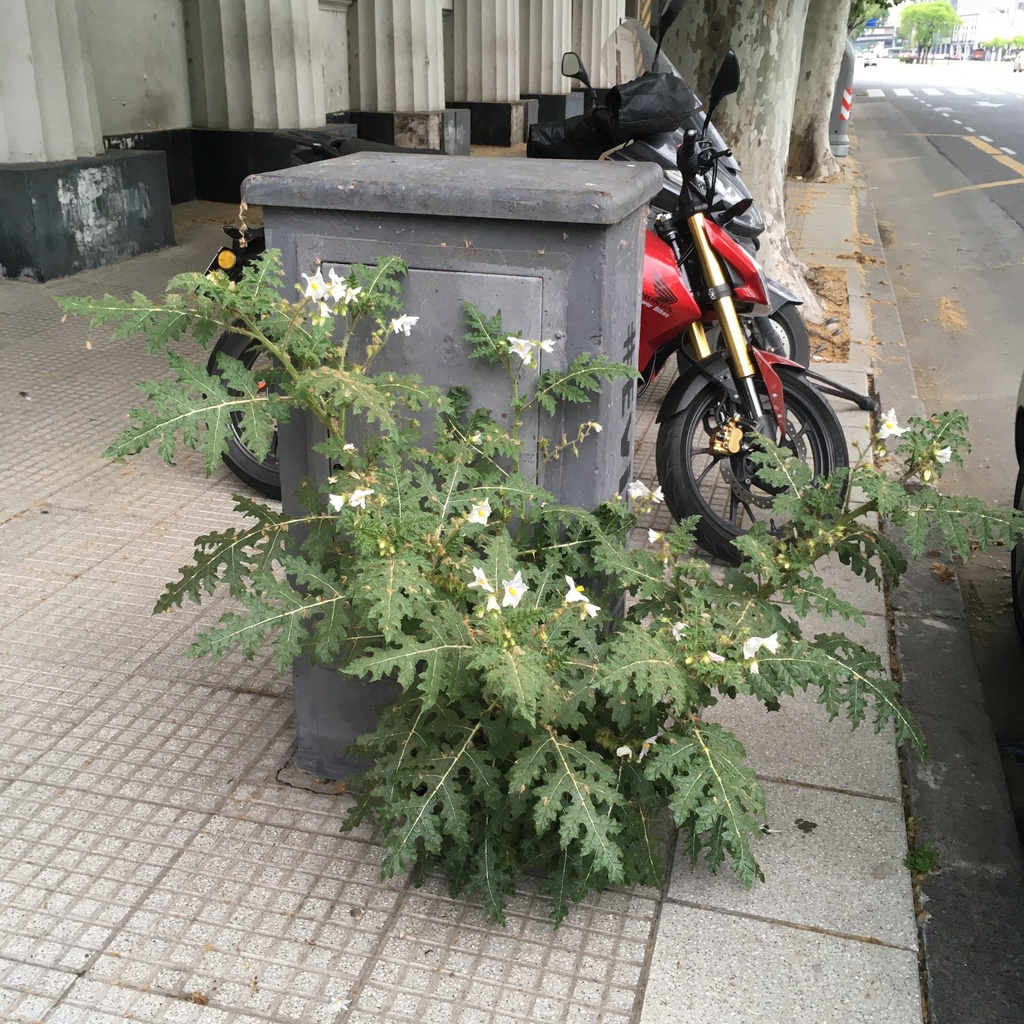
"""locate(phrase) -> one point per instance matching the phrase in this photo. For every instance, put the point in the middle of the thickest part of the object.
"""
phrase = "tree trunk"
(767, 36)
(810, 155)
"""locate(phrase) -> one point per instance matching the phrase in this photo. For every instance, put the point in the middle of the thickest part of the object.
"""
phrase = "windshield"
(630, 52)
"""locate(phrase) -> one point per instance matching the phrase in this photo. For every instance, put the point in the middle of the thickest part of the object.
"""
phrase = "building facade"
(112, 110)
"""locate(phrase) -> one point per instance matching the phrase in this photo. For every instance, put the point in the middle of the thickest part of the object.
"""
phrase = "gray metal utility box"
(556, 246)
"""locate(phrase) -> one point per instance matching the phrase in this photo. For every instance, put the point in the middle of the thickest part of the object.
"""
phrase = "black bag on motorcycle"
(650, 104)
(575, 138)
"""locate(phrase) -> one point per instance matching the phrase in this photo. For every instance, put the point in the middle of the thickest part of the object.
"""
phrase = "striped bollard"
(838, 140)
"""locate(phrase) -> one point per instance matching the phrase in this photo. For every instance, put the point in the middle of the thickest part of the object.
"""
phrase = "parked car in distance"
(1017, 555)
(870, 60)
(1018, 62)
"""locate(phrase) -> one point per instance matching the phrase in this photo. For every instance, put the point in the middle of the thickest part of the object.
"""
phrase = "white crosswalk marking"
(961, 92)
(876, 93)
(902, 92)
(932, 92)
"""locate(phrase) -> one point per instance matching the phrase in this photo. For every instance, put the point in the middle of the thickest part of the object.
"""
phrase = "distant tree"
(927, 24)
(862, 11)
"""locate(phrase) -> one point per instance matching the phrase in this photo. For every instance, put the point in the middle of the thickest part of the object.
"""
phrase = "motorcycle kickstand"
(830, 387)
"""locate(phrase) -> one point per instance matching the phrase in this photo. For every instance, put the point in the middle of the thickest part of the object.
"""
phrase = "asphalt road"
(942, 147)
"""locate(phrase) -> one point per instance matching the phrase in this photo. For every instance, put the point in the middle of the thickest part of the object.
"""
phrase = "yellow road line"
(1000, 157)
(973, 188)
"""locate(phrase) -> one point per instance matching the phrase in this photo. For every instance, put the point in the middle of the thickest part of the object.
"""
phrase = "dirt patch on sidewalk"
(830, 341)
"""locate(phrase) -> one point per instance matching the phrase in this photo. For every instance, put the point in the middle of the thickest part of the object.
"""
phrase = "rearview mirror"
(572, 66)
(726, 82)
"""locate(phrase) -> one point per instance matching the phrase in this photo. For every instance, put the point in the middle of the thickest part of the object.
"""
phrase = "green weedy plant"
(555, 676)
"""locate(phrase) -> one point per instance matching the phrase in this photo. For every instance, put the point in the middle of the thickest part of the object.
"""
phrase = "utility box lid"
(566, 191)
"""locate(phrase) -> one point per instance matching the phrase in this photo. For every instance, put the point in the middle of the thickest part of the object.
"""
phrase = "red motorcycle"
(696, 276)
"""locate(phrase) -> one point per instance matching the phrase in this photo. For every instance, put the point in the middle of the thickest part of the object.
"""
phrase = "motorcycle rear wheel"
(784, 333)
(262, 474)
(724, 490)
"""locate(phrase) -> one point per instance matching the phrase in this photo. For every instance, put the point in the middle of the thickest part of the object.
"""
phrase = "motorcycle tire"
(1017, 563)
(724, 490)
(264, 475)
(784, 333)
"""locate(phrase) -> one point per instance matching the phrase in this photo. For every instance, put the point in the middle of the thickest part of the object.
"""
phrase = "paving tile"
(831, 861)
(166, 741)
(269, 921)
(798, 743)
(96, 1002)
(28, 992)
(74, 865)
(41, 702)
(711, 968)
(444, 961)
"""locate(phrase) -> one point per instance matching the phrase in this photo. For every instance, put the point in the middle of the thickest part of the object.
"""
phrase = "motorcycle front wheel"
(725, 490)
(262, 474)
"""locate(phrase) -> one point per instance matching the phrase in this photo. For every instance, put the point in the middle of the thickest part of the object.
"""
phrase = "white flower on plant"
(492, 604)
(653, 536)
(523, 348)
(476, 438)
(349, 447)
(637, 489)
(624, 752)
(336, 501)
(678, 629)
(402, 324)
(339, 289)
(716, 658)
(943, 455)
(479, 513)
(575, 592)
(595, 427)
(753, 644)
(890, 427)
(338, 1005)
(515, 589)
(316, 286)
(357, 499)
(657, 495)
(480, 580)
(590, 610)
(547, 345)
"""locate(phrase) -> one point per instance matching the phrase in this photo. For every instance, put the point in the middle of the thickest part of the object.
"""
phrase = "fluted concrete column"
(255, 63)
(593, 22)
(399, 58)
(334, 52)
(47, 96)
(486, 51)
(546, 33)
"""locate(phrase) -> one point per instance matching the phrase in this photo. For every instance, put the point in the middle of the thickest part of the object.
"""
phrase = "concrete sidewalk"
(160, 865)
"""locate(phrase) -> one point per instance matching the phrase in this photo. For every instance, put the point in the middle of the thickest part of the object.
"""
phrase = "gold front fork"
(714, 277)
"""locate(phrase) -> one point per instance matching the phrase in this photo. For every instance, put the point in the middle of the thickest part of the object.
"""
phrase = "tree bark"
(767, 36)
(810, 155)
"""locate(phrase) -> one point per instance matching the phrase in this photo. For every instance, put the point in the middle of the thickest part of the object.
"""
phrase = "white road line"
(1008, 152)
(984, 138)
(932, 92)
(961, 92)
(955, 121)
(902, 92)
(876, 93)
(968, 129)
(944, 114)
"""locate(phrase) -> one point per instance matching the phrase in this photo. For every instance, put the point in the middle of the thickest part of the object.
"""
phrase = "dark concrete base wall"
(500, 124)
(176, 145)
(444, 131)
(64, 217)
(557, 107)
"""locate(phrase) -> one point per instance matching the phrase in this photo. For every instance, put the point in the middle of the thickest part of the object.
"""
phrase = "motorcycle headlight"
(727, 190)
